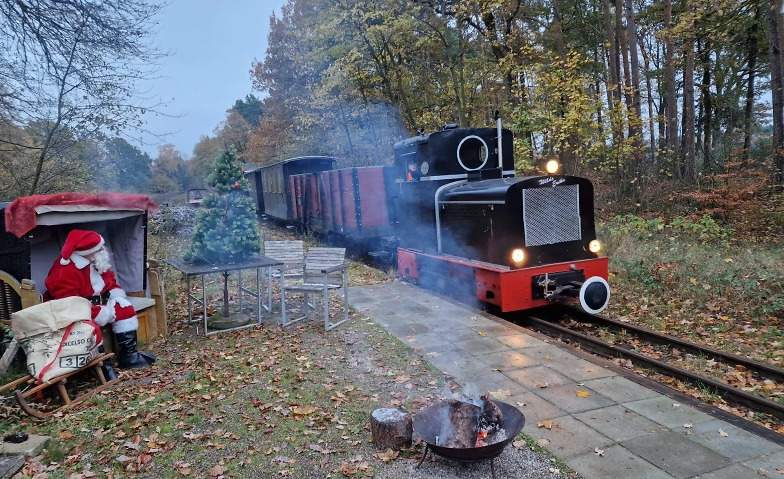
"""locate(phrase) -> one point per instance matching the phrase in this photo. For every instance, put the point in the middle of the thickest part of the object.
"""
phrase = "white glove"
(123, 302)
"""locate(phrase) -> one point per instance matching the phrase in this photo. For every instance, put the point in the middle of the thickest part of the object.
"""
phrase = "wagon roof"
(291, 160)
(23, 214)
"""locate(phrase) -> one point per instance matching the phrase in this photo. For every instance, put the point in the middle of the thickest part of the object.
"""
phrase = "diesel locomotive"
(456, 217)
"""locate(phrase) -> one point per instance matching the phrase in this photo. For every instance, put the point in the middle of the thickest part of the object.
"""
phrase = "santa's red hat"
(80, 242)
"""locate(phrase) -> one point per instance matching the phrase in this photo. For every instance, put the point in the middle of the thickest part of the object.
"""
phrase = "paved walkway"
(644, 434)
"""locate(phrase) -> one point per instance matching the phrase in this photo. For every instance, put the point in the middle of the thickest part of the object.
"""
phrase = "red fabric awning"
(21, 215)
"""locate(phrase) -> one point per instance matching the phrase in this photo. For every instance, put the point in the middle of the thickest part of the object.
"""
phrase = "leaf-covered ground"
(258, 403)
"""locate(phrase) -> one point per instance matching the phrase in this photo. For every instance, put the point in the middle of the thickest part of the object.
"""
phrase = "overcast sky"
(212, 44)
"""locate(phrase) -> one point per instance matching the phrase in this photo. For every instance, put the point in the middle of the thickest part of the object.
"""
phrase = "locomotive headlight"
(594, 246)
(552, 167)
(424, 168)
(518, 255)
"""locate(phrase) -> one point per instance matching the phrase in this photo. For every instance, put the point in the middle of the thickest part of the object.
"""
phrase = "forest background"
(654, 100)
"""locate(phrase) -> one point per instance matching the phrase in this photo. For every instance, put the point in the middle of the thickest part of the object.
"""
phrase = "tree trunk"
(635, 120)
(751, 45)
(776, 31)
(627, 81)
(649, 87)
(567, 154)
(671, 113)
(706, 104)
(613, 91)
(687, 145)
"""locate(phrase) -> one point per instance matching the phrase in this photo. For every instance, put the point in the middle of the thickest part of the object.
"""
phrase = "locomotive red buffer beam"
(524, 288)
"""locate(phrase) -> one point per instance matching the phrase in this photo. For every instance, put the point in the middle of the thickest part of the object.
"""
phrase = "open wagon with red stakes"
(34, 233)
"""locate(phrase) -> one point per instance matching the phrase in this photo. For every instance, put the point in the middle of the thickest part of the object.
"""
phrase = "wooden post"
(158, 293)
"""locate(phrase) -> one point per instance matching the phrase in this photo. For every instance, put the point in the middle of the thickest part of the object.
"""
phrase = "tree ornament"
(236, 184)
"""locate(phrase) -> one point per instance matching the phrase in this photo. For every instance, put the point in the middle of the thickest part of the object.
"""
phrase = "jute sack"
(57, 336)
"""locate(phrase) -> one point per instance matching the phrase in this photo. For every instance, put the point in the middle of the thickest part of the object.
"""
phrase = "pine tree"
(227, 227)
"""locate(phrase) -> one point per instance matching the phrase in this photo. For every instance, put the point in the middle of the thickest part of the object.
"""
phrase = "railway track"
(546, 321)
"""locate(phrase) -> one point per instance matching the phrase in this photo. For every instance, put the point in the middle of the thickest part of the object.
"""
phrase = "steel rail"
(770, 372)
(731, 394)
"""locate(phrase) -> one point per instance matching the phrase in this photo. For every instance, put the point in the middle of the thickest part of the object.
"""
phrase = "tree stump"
(391, 428)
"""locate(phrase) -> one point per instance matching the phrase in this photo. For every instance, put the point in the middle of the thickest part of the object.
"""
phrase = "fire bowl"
(427, 423)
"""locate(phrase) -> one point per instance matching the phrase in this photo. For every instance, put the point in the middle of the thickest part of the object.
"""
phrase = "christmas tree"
(227, 227)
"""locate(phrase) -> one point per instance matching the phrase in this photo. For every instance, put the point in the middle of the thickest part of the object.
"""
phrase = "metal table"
(203, 269)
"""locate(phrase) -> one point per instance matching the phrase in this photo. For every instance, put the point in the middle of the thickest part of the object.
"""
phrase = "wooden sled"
(59, 383)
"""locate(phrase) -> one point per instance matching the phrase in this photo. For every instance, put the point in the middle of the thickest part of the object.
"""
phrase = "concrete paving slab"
(566, 398)
(568, 437)
(458, 334)
(499, 386)
(429, 342)
(482, 345)
(521, 341)
(495, 330)
(737, 445)
(582, 370)
(31, 447)
(676, 455)
(616, 463)
(535, 408)
(619, 423)
(402, 330)
(534, 377)
(548, 354)
(508, 359)
(669, 412)
(735, 471)
(620, 389)
(767, 465)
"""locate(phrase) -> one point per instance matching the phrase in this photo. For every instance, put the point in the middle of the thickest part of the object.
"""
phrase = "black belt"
(100, 299)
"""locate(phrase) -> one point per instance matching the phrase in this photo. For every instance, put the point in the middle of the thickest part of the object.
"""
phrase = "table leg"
(258, 294)
(204, 302)
(239, 282)
(190, 297)
(283, 298)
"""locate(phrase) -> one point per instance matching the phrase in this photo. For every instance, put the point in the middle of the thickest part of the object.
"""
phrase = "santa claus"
(84, 270)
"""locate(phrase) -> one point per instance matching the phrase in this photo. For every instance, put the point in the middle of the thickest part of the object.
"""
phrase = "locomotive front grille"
(551, 215)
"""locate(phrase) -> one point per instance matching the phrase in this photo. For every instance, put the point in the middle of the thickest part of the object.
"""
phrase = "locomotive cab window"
(472, 153)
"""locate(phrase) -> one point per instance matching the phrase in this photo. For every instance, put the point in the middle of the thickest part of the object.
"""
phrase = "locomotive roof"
(496, 188)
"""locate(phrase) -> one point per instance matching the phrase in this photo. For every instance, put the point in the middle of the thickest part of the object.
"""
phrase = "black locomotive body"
(459, 218)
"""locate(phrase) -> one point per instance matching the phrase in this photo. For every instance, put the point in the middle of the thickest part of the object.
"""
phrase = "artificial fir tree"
(227, 227)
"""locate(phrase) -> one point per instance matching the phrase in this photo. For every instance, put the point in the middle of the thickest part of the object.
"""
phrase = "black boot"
(108, 371)
(128, 356)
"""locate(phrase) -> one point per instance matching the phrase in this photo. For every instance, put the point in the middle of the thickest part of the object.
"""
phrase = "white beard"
(101, 261)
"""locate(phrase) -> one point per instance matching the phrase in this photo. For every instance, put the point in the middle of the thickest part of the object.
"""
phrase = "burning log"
(466, 425)
(391, 429)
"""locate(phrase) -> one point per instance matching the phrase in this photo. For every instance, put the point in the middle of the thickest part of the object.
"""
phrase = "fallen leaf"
(688, 426)
(217, 470)
(542, 385)
(543, 442)
(723, 434)
(547, 424)
(388, 455)
(520, 445)
(482, 333)
(304, 410)
(583, 393)
(599, 452)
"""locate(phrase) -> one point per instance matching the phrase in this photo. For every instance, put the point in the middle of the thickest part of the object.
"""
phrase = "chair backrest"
(324, 258)
(292, 253)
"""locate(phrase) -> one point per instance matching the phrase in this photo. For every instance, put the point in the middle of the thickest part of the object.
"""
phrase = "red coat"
(67, 280)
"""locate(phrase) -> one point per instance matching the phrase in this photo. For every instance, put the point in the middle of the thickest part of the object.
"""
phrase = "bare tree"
(74, 69)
